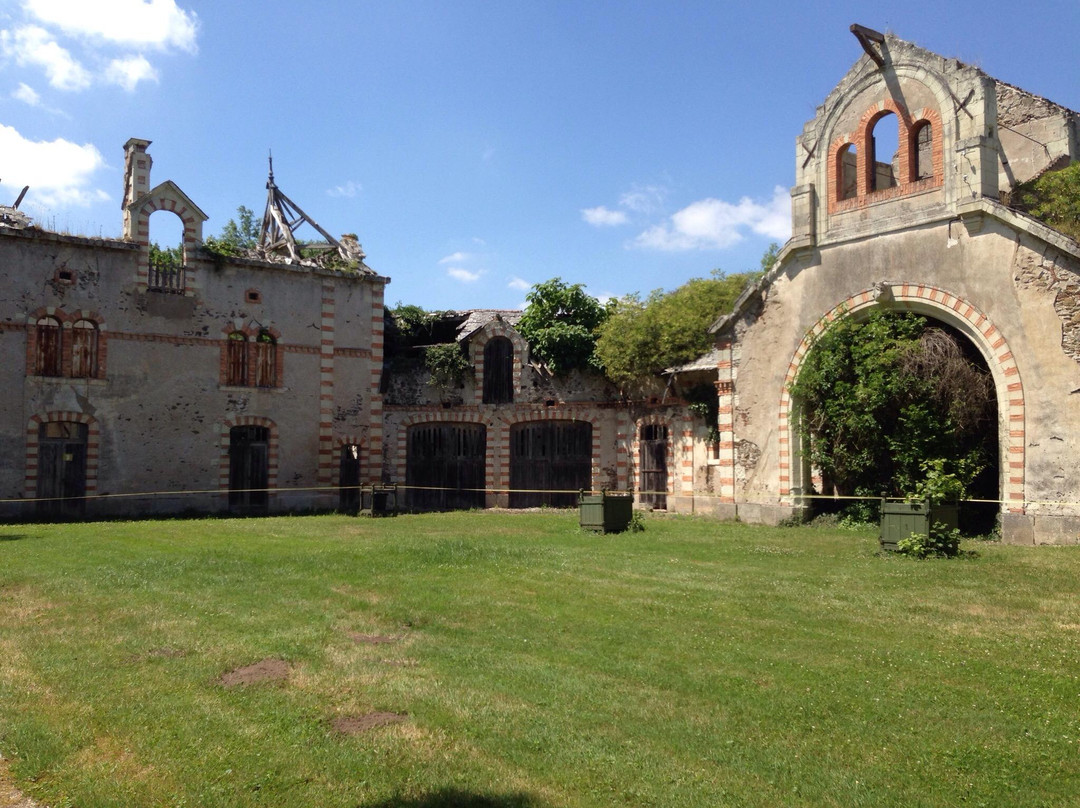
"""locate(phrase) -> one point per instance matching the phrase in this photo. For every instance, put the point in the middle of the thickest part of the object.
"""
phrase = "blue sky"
(474, 147)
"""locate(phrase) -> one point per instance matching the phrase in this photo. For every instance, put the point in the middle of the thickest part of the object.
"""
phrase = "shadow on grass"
(14, 537)
(452, 798)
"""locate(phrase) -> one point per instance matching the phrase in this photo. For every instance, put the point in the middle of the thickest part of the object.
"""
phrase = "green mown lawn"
(511, 660)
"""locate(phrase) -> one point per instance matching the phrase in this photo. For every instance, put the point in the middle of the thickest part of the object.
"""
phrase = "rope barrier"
(493, 491)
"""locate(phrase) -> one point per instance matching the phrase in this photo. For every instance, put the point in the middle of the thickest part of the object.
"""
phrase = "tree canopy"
(560, 324)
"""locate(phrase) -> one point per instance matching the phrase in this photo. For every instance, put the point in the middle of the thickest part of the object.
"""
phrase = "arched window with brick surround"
(84, 349)
(265, 359)
(922, 151)
(236, 359)
(847, 172)
(883, 154)
(49, 339)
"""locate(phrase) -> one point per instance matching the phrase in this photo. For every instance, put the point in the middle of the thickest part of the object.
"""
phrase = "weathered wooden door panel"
(654, 472)
(444, 468)
(249, 468)
(349, 479)
(549, 462)
(61, 484)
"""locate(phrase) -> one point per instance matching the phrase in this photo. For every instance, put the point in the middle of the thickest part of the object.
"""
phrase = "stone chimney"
(137, 163)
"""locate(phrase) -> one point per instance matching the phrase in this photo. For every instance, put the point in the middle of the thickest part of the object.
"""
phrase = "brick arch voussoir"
(971, 321)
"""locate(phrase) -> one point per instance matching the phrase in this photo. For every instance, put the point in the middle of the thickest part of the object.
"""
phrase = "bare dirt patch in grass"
(265, 670)
(355, 724)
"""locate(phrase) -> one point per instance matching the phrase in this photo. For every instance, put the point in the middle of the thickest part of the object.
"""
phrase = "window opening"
(349, 479)
(49, 342)
(923, 151)
(166, 267)
(84, 349)
(847, 172)
(498, 371)
(265, 360)
(885, 152)
(236, 359)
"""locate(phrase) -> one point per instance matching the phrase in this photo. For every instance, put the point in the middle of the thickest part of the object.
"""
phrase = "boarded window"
(923, 152)
(236, 359)
(249, 468)
(498, 371)
(654, 477)
(49, 335)
(445, 466)
(847, 172)
(265, 360)
(61, 483)
(550, 461)
(84, 350)
(884, 152)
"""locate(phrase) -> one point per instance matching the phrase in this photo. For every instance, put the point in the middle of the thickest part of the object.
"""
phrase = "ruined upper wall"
(960, 134)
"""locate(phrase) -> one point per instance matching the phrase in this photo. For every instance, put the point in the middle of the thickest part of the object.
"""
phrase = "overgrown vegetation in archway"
(884, 399)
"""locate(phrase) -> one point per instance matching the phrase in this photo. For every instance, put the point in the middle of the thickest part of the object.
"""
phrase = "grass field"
(510, 660)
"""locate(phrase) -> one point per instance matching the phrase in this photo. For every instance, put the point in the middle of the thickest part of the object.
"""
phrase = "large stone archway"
(938, 304)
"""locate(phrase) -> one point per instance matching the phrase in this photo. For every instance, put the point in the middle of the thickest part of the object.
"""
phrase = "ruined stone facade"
(172, 390)
(925, 230)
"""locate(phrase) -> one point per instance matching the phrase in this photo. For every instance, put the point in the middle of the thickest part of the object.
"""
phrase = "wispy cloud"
(31, 45)
(139, 24)
(455, 258)
(26, 94)
(644, 198)
(58, 172)
(604, 217)
(519, 283)
(716, 224)
(349, 189)
(464, 275)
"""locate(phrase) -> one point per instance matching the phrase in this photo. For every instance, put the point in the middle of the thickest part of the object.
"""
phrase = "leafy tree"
(447, 364)
(237, 235)
(884, 399)
(560, 325)
(643, 337)
(1053, 198)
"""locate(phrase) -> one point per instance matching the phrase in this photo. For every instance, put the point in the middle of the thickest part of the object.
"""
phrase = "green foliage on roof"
(1053, 198)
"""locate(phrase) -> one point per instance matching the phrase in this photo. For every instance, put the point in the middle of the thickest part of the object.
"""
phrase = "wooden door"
(444, 468)
(249, 469)
(550, 461)
(61, 484)
(654, 472)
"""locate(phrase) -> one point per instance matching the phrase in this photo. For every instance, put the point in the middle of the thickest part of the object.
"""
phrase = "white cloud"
(129, 72)
(158, 24)
(518, 283)
(603, 217)
(464, 275)
(26, 94)
(715, 224)
(32, 45)
(455, 258)
(58, 171)
(349, 189)
(644, 198)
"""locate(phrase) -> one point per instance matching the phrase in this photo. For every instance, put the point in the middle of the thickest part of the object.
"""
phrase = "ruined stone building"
(205, 383)
(258, 382)
(927, 229)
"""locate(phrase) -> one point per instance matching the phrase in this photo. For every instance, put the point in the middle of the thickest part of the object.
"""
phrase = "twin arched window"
(251, 363)
(51, 351)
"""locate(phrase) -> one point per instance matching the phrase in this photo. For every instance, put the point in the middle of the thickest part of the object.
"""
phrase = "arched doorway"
(961, 317)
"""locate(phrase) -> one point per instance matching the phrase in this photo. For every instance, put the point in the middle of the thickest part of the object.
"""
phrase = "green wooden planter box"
(604, 512)
(378, 500)
(900, 519)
